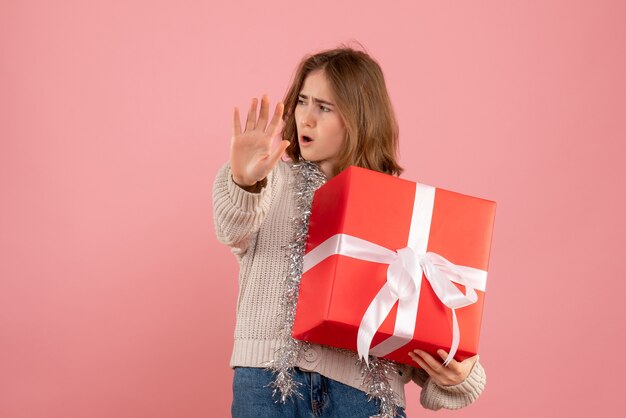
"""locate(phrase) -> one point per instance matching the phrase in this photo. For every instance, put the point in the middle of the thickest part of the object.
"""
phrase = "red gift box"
(371, 236)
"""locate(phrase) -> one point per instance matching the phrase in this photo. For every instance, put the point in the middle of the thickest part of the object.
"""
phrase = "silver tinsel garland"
(377, 384)
(308, 178)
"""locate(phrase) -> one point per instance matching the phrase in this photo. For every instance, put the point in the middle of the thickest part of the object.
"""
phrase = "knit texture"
(258, 228)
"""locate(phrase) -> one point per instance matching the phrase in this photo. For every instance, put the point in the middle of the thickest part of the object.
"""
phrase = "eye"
(301, 101)
(325, 108)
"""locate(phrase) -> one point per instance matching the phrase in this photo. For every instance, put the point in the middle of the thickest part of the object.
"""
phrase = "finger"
(453, 370)
(274, 125)
(470, 360)
(444, 355)
(265, 111)
(441, 375)
(432, 362)
(236, 123)
(251, 121)
(277, 153)
(422, 364)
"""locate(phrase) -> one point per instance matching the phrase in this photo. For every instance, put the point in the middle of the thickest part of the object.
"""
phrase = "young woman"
(336, 113)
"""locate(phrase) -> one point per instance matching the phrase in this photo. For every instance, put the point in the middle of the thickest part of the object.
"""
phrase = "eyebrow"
(304, 96)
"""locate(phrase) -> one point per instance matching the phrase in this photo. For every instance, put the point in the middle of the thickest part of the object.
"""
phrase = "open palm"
(251, 155)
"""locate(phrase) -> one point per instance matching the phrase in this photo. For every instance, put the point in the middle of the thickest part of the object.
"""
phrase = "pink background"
(116, 299)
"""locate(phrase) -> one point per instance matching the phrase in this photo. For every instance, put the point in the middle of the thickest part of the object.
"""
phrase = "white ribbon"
(404, 278)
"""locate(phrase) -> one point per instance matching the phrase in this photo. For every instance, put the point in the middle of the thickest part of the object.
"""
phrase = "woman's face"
(321, 130)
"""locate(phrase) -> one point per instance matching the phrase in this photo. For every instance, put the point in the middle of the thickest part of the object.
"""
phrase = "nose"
(307, 117)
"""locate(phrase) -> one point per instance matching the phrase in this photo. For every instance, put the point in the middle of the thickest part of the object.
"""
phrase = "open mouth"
(306, 139)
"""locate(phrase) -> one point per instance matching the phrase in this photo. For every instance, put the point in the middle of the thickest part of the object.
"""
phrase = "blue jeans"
(322, 397)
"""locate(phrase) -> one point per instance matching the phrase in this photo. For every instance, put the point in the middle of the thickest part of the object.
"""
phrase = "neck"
(327, 169)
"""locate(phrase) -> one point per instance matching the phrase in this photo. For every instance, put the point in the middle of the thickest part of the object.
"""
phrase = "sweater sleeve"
(238, 214)
(435, 397)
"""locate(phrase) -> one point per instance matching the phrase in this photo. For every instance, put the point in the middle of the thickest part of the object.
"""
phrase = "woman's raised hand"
(251, 155)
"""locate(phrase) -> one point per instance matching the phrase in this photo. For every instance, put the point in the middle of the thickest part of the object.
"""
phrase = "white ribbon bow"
(404, 278)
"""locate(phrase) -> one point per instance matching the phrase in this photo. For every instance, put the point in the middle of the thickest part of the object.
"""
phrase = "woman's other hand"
(452, 374)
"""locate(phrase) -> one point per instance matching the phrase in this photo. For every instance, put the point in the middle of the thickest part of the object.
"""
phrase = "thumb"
(471, 360)
(278, 152)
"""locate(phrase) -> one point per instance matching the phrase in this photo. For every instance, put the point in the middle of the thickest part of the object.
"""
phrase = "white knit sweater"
(258, 228)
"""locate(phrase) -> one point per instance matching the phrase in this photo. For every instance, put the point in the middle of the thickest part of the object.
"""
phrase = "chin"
(306, 155)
